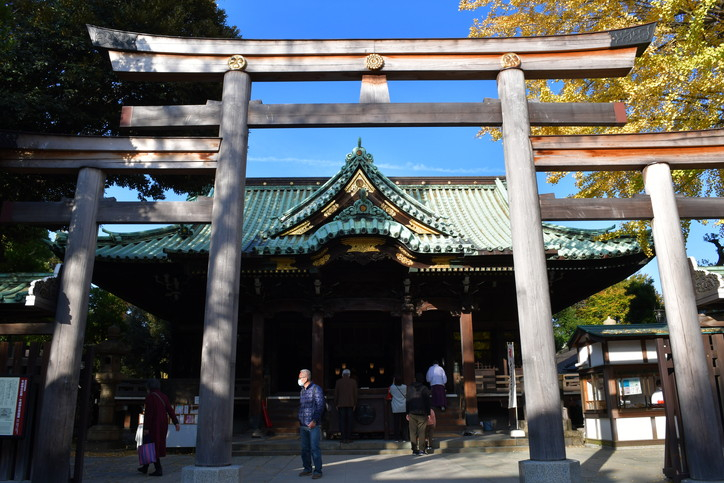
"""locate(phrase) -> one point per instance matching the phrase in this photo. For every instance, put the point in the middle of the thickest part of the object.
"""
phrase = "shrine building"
(380, 275)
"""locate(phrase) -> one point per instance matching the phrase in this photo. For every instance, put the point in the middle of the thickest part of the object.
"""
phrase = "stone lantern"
(110, 352)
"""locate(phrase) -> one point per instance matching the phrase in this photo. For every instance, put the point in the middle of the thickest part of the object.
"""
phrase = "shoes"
(305, 473)
(429, 450)
(156, 473)
(143, 469)
(420, 453)
(316, 476)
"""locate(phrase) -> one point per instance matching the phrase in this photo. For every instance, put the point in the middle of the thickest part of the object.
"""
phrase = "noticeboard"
(13, 404)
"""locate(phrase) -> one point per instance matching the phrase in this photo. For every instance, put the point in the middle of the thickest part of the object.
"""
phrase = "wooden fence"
(20, 359)
(487, 381)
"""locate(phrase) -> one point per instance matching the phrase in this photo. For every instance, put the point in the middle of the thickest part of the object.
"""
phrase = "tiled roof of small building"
(457, 216)
(628, 331)
(15, 287)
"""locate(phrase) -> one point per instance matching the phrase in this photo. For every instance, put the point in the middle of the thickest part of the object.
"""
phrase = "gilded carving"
(359, 181)
(237, 62)
(299, 229)
(330, 209)
(374, 62)
(284, 263)
(421, 229)
(403, 259)
(363, 244)
(321, 260)
(510, 60)
(389, 208)
(441, 262)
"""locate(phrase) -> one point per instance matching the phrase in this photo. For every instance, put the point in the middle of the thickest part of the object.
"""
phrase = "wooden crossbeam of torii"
(636, 208)
(620, 152)
(57, 213)
(487, 113)
(144, 56)
(656, 154)
(45, 153)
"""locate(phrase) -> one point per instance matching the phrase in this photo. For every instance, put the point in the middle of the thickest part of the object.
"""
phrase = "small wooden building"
(627, 381)
(380, 275)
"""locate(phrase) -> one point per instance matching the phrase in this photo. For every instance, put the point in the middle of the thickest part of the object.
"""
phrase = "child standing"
(431, 421)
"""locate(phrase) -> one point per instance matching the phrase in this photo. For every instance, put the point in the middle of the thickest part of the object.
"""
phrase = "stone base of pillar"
(563, 471)
(472, 419)
(211, 474)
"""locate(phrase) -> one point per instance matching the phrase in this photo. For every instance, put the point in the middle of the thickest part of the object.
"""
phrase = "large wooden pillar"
(702, 434)
(256, 376)
(218, 353)
(408, 346)
(543, 405)
(51, 458)
(318, 348)
(469, 387)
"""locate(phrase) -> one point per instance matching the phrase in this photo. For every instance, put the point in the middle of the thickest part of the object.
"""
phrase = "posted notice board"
(13, 403)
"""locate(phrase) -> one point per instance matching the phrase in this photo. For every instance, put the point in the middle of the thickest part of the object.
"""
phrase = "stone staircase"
(469, 441)
(283, 414)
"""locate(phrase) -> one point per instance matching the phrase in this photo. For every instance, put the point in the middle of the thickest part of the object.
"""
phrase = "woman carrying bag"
(155, 424)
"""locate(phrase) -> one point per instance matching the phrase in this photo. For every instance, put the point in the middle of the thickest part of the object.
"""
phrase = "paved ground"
(600, 465)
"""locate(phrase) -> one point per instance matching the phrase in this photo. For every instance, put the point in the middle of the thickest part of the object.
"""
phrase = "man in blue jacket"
(311, 409)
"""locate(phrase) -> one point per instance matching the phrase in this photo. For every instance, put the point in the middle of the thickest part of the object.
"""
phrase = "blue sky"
(397, 151)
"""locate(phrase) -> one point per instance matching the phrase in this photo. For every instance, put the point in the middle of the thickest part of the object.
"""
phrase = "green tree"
(632, 301)
(104, 310)
(677, 84)
(148, 335)
(25, 249)
(55, 81)
(150, 338)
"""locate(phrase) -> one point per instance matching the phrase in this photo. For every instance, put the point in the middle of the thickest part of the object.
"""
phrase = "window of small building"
(594, 396)
(638, 389)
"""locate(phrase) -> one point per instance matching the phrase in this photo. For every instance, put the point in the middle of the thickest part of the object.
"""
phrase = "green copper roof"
(629, 331)
(15, 287)
(457, 216)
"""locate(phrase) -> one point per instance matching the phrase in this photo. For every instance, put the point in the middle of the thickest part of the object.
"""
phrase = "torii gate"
(374, 62)
(656, 154)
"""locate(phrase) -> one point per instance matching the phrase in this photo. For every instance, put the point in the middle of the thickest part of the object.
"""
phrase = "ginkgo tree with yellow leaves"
(676, 85)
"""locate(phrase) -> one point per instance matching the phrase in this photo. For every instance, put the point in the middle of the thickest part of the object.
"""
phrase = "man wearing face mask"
(311, 409)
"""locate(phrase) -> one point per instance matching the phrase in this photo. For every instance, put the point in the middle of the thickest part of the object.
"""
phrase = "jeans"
(311, 451)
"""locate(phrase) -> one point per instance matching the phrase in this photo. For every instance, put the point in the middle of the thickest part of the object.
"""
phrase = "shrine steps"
(289, 445)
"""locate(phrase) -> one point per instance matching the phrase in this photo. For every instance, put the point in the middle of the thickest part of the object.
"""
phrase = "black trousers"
(345, 423)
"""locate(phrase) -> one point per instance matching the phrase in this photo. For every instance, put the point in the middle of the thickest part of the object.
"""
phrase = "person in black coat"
(418, 409)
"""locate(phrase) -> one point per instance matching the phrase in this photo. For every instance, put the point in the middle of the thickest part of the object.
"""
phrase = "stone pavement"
(600, 465)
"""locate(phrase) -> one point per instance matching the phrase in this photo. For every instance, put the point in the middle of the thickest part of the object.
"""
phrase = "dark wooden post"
(408, 346)
(469, 387)
(257, 371)
(543, 406)
(318, 348)
(51, 461)
(703, 437)
(218, 353)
